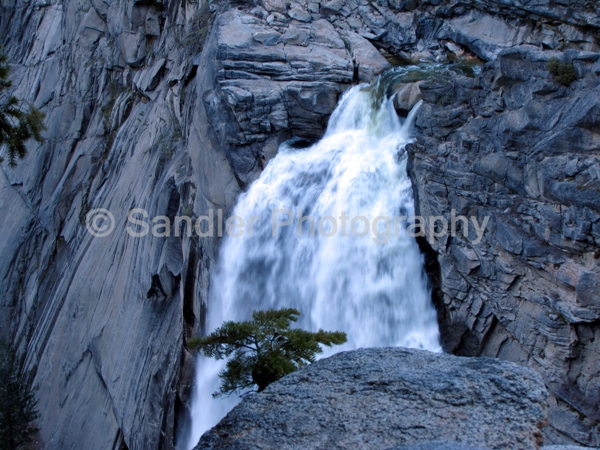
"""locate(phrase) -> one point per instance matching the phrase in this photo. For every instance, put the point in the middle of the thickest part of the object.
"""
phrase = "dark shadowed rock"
(384, 397)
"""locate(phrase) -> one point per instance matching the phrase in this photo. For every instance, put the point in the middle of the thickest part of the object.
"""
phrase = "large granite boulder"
(380, 398)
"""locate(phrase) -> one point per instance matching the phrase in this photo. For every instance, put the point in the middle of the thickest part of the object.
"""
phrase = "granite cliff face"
(177, 107)
(517, 147)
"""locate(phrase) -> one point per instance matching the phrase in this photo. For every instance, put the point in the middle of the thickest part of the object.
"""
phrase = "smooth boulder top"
(382, 398)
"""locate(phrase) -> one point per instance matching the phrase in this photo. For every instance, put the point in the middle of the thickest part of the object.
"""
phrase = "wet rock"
(407, 97)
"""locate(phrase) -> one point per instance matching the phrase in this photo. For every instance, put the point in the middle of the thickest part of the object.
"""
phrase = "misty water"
(363, 275)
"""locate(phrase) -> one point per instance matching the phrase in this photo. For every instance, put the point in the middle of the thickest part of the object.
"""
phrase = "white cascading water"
(375, 291)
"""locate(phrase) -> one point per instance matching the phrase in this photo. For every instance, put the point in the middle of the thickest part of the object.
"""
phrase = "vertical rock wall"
(515, 148)
(102, 321)
(169, 107)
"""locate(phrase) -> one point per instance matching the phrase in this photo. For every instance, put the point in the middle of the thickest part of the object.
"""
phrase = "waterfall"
(363, 275)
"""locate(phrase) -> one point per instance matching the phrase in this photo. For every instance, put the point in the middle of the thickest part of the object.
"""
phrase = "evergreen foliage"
(17, 402)
(17, 125)
(563, 73)
(264, 349)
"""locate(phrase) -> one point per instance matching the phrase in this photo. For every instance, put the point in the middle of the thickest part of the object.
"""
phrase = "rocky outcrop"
(514, 146)
(278, 78)
(382, 398)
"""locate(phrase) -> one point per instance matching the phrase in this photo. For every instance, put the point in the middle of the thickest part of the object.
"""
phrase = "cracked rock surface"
(514, 146)
(385, 397)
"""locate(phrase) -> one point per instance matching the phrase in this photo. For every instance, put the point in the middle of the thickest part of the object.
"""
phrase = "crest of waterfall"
(363, 275)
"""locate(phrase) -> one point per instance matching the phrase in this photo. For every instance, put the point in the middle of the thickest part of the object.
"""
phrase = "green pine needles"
(263, 350)
(563, 73)
(17, 125)
(17, 402)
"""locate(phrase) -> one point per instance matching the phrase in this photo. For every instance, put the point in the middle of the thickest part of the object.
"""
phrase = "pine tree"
(17, 402)
(264, 349)
(16, 124)
(563, 73)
